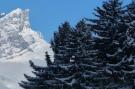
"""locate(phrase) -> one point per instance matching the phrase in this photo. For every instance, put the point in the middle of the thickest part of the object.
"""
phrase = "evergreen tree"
(62, 43)
(64, 46)
(129, 47)
(48, 77)
(48, 60)
(110, 34)
(79, 72)
(86, 53)
(44, 77)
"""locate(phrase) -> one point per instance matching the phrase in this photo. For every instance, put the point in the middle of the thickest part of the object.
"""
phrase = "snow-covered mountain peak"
(17, 17)
(18, 40)
(18, 12)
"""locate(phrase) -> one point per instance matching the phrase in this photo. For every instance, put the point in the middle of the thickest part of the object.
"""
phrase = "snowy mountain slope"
(19, 44)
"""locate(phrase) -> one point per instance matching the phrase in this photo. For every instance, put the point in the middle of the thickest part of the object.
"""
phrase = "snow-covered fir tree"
(64, 47)
(129, 46)
(62, 44)
(79, 72)
(44, 77)
(110, 35)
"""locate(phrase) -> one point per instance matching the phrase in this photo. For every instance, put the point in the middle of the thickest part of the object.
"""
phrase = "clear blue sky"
(47, 15)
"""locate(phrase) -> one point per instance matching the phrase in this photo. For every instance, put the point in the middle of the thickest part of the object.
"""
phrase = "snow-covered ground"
(19, 44)
(12, 73)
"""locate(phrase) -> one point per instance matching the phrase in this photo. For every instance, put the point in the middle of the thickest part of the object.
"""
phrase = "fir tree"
(79, 72)
(62, 43)
(49, 77)
(64, 46)
(110, 34)
(44, 77)
(129, 47)
(48, 60)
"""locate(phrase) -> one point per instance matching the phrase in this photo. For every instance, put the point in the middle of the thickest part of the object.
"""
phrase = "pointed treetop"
(133, 1)
(81, 25)
(65, 24)
(31, 63)
(48, 60)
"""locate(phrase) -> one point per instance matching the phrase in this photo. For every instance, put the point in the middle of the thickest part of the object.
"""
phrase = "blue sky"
(47, 15)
